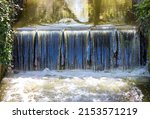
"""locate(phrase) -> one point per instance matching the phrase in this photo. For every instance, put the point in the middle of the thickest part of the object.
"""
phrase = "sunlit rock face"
(43, 12)
(109, 11)
(85, 11)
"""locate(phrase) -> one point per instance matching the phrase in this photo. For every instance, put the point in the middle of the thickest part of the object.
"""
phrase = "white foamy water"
(79, 8)
(74, 85)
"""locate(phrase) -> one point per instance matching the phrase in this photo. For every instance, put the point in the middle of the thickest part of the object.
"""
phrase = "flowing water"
(80, 63)
(76, 86)
(77, 47)
(79, 8)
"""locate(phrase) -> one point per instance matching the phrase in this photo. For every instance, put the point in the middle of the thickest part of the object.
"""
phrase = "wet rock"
(135, 95)
(68, 20)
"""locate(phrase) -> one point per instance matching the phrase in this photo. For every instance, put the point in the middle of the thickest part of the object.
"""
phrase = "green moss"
(149, 66)
(149, 52)
(149, 44)
(2, 71)
(143, 16)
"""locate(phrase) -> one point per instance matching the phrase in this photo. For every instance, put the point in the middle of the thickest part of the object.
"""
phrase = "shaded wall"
(2, 71)
(149, 52)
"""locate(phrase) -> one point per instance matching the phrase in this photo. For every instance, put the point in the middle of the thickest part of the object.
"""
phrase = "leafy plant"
(7, 13)
(143, 15)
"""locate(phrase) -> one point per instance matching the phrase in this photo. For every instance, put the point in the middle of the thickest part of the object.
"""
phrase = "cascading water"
(79, 8)
(102, 48)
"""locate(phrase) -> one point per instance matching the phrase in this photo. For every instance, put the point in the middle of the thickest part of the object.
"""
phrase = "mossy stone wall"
(149, 52)
(2, 71)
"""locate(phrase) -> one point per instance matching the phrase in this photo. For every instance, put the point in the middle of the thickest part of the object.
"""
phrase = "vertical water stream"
(102, 48)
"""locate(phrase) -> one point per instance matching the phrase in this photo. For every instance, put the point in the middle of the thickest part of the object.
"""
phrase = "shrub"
(6, 11)
(143, 16)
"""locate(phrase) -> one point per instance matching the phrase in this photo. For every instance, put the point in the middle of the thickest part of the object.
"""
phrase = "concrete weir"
(57, 47)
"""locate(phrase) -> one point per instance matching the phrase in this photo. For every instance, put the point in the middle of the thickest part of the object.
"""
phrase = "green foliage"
(143, 15)
(6, 11)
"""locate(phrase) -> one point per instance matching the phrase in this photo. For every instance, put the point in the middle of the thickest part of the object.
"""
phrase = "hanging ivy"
(7, 16)
(143, 15)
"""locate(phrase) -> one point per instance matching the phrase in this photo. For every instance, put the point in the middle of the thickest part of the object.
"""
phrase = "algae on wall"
(2, 71)
(149, 52)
